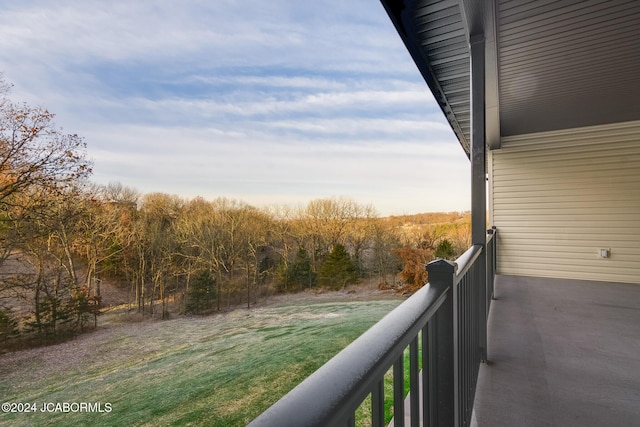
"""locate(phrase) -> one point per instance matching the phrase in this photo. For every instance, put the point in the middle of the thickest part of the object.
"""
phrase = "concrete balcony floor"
(561, 353)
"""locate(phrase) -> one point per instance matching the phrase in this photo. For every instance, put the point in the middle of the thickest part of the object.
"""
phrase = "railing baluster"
(426, 379)
(492, 254)
(377, 404)
(414, 396)
(447, 317)
(398, 392)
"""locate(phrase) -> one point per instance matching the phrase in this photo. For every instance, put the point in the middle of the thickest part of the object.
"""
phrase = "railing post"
(491, 265)
(443, 401)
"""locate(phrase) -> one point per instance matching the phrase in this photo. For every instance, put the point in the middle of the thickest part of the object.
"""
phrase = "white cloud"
(410, 129)
(211, 164)
(319, 102)
(263, 101)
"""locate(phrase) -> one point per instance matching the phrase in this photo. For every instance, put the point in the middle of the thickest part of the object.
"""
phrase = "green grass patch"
(220, 370)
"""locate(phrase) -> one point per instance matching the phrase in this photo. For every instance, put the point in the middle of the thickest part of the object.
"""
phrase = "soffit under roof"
(552, 64)
(435, 35)
(566, 64)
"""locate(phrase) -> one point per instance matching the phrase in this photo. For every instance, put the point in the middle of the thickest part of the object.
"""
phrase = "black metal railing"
(491, 263)
(469, 348)
(446, 319)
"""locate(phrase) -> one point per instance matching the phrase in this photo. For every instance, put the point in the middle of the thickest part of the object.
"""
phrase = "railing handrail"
(448, 315)
(340, 385)
(466, 260)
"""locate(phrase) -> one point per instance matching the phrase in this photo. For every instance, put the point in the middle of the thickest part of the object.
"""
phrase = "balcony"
(543, 98)
(561, 353)
(443, 329)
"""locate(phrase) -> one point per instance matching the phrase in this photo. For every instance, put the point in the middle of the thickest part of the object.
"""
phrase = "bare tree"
(257, 236)
(49, 232)
(34, 152)
(323, 223)
(385, 240)
(158, 214)
(41, 168)
(109, 233)
(360, 234)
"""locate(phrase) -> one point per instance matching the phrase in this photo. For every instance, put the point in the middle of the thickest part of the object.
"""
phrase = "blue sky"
(269, 102)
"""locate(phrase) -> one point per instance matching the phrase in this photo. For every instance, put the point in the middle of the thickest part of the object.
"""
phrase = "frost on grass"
(233, 362)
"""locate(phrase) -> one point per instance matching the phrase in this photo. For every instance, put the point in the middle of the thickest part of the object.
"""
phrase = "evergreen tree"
(8, 325)
(202, 293)
(445, 250)
(338, 270)
(299, 274)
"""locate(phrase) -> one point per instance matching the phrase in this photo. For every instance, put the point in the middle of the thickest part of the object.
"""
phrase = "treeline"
(61, 237)
(197, 256)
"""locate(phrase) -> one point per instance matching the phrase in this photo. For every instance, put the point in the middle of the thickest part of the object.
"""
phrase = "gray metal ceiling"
(443, 40)
(434, 33)
(557, 63)
(566, 64)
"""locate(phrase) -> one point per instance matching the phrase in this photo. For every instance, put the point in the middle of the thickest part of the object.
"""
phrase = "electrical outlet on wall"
(604, 252)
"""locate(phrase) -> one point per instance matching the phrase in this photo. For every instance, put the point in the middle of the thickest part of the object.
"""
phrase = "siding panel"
(557, 197)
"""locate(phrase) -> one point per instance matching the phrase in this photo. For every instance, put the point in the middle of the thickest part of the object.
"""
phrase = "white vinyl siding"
(557, 197)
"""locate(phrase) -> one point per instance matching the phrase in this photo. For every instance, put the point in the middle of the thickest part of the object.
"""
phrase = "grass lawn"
(220, 370)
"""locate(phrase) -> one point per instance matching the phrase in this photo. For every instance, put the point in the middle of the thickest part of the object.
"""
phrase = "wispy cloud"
(265, 101)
